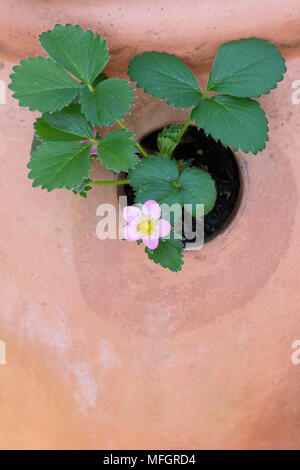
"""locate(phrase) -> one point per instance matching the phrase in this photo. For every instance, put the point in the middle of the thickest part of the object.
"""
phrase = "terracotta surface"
(107, 350)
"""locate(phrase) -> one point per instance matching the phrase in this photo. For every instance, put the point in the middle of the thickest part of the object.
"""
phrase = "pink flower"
(145, 224)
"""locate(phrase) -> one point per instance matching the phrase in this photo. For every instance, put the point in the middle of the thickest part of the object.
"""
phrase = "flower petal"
(131, 233)
(164, 228)
(131, 212)
(151, 243)
(151, 209)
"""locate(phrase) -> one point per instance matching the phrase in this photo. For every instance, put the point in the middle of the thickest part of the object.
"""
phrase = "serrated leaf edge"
(149, 253)
(84, 31)
(57, 187)
(167, 100)
(35, 109)
(263, 92)
(234, 148)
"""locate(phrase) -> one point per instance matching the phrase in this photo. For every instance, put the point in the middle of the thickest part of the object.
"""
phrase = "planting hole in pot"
(219, 161)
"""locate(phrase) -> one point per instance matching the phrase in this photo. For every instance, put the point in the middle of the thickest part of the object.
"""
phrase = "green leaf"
(42, 85)
(167, 140)
(246, 68)
(110, 100)
(36, 142)
(117, 151)
(238, 122)
(198, 187)
(165, 76)
(60, 164)
(101, 77)
(82, 53)
(169, 254)
(69, 124)
(156, 178)
(82, 188)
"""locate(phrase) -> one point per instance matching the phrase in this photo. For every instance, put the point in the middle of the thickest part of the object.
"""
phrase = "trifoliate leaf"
(42, 85)
(110, 100)
(60, 165)
(246, 68)
(117, 151)
(169, 254)
(238, 122)
(198, 187)
(69, 124)
(165, 76)
(156, 178)
(82, 53)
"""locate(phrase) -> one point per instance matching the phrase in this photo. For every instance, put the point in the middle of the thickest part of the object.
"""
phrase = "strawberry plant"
(76, 99)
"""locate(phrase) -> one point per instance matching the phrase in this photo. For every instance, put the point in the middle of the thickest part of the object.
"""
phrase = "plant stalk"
(141, 149)
(110, 182)
(185, 126)
(90, 87)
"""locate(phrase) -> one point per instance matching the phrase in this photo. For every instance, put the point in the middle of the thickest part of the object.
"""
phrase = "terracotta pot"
(166, 116)
(106, 350)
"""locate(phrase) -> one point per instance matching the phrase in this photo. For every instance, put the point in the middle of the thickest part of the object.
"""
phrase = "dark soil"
(210, 156)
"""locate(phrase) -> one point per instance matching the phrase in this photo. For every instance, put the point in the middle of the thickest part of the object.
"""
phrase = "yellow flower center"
(146, 227)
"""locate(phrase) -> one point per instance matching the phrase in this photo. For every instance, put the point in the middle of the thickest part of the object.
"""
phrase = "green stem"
(184, 128)
(141, 149)
(110, 182)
